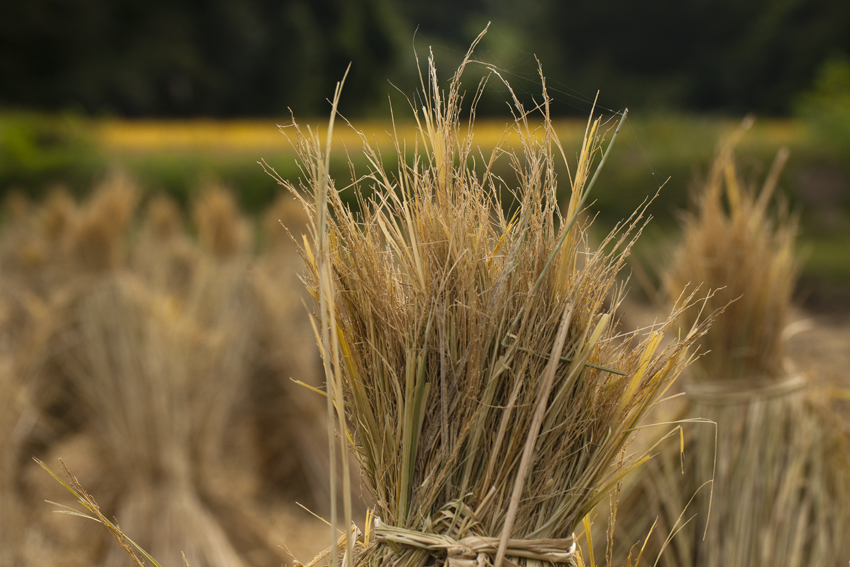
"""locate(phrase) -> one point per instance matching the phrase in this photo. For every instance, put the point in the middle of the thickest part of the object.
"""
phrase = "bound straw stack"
(16, 417)
(778, 462)
(470, 352)
(151, 339)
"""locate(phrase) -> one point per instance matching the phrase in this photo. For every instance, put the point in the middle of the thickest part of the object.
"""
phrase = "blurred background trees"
(189, 57)
(225, 58)
(73, 73)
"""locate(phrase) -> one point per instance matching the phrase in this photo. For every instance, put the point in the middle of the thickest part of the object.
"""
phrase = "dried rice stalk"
(92, 511)
(489, 395)
(780, 467)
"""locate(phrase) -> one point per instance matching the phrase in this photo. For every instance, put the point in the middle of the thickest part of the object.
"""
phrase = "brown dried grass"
(286, 354)
(99, 240)
(33, 239)
(163, 254)
(155, 346)
(159, 382)
(735, 244)
(472, 354)
(769, 484)
(13, 408)
(221, 230)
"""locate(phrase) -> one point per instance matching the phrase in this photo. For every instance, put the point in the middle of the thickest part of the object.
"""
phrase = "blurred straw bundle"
(472, 353)
(221, 230)
(99, 240)
(15, 412)
(128, 361)
(33, 248)
(161, 353)
(25, 325)
(144, 347)
(780, 466)
(286, 353)
(163, 254)
(286, 415)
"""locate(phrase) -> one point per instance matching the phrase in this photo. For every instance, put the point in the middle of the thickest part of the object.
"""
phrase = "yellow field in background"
(133, 136)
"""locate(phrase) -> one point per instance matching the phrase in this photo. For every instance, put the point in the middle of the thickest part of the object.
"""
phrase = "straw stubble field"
(158, 365)
(270, 452)
(476, 355)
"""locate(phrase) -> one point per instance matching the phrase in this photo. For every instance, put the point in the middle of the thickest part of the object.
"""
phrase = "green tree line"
(172, 58)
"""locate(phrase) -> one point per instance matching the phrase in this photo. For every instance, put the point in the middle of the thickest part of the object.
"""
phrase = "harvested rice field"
(441, 351)
(160, 367)
(269, 452)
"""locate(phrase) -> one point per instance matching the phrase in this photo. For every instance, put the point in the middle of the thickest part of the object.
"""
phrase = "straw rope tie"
(477, 551)
(742, 391)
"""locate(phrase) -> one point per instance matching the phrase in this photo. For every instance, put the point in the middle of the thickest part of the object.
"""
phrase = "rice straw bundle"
(780, 466)
(222, 304)
(221, 230)
(163, 254)
(131, 374)
(163, 219)
(489, 395)
(734, 243)
(80, 246)
(58, 214)
(153, 349)
(99, 240)
(14, 406)
(156, 383)
(148, 377)
(17, 253)
(35, 239)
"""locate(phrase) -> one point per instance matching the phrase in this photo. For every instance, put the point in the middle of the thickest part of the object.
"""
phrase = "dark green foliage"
(260, 57)
(211, 57)
(720, 55)
(37, 151)
(827, 105)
